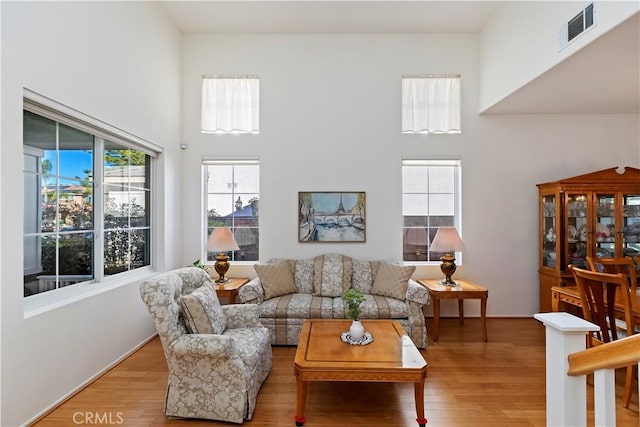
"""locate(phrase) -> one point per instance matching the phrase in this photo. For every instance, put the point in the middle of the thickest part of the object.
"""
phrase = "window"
(230, 104)
(70, 235)
(430, 199)
(431, 104)
(232, 193)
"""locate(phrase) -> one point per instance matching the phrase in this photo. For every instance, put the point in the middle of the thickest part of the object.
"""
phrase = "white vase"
(356, 331)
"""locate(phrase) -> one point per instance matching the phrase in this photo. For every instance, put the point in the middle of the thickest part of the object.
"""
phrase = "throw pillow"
(392, 280)
(276, 279)
(202, 312)
(331, 275)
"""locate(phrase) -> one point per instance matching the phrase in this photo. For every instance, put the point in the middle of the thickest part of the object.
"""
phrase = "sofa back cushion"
(201, 311)
(276, 279)
(364, 273)
(392, 280)
(331, 275)
(303, 275)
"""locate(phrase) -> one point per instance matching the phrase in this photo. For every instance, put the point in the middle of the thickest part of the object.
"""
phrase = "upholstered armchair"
(218, 355)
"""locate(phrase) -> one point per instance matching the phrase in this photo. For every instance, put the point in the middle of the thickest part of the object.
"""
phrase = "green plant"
(352, 299)
(199, 264)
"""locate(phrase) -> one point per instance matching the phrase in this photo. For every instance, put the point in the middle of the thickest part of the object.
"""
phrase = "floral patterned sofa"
(218, 356)
(288, 291)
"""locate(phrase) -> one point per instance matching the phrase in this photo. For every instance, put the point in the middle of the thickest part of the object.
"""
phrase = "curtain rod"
(430, 76)
(217, 76)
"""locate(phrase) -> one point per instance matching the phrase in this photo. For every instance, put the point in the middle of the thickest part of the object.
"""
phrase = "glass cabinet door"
(605, 231)
(577, 231)
(549, 231)
(631, 224)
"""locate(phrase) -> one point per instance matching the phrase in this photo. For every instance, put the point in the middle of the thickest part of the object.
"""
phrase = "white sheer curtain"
(230, 104)
(431, 105)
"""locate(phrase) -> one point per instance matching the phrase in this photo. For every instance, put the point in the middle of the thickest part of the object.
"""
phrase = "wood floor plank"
(469, 383)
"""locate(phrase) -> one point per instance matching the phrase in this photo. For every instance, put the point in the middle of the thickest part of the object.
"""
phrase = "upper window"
(230, 104)
(430, 199)
(72, 234)
(431, 104)
(232, 194)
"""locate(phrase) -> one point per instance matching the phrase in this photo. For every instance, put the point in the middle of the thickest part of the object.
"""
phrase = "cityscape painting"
(326, 216)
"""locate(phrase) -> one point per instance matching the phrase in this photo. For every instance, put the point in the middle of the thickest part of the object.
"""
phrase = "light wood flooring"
(469, 383)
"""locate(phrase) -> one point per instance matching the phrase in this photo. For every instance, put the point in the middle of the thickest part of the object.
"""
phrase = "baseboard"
(85, 384)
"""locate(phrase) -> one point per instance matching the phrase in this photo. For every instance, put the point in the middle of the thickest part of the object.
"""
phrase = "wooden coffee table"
(391, 357)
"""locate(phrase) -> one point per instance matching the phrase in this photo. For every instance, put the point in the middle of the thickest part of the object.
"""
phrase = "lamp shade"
(447, 240)
(222, 240)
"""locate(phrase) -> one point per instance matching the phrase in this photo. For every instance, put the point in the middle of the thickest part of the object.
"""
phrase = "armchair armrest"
(241, 315)
(417, 293)
(252, 292)
(206, 345)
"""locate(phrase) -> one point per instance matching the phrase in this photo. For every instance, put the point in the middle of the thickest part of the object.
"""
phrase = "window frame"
(457, 199)
(101, 131)
(205, 163)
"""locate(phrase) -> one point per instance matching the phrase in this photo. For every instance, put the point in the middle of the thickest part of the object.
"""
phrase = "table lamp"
(447, 240)
(221, 240)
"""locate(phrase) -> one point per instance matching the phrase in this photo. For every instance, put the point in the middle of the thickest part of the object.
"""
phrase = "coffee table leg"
(301, 400)
(419, 397)
(461, 310)
(436, 318)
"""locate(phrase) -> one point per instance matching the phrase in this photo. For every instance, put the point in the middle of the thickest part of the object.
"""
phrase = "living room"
(330, 121)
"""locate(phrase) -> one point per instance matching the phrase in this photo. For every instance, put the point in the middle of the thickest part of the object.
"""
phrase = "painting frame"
(332, 217)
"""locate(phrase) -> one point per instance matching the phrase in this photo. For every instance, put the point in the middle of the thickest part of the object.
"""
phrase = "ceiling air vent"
(576, 26)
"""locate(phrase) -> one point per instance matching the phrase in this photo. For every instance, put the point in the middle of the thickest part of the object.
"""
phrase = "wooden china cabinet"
(597, 215)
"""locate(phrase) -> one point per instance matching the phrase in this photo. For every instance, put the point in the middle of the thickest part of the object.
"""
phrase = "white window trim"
(50, 300)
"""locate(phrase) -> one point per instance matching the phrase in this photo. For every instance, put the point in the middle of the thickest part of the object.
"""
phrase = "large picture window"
(70, 235)
(430, 199)
(232, 195)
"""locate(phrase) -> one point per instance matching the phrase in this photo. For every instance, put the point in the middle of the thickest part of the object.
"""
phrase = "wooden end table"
(464, 290)
(230, 290)
(391, 357)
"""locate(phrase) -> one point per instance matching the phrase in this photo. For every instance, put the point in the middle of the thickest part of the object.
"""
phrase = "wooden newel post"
(566, 396)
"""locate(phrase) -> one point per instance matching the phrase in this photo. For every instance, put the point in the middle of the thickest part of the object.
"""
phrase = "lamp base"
(448, 267)
(222, 266)
(450, 283)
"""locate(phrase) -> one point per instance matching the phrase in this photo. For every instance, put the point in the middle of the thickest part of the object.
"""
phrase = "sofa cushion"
(364, 273)
(297, 306)
(276, 279)
(303, 275)
(202, 312)
(392, 280)
(332, 275)
(375, 307)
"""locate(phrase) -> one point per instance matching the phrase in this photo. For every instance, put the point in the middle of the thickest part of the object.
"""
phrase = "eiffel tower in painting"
(340, 209)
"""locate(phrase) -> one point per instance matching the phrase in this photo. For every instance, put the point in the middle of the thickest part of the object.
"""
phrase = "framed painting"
(331, 216)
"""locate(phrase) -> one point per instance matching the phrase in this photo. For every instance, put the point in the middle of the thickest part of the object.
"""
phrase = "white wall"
(519, 42)
(120, 63)
(330, 120)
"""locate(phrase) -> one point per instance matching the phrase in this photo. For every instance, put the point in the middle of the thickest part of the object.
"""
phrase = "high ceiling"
(580, 84)
(332, 16)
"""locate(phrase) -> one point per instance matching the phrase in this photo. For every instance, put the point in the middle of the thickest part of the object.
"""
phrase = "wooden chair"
(598, 292)
(616, 265)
